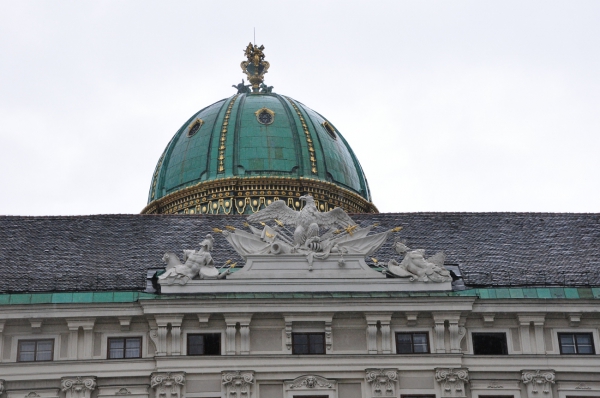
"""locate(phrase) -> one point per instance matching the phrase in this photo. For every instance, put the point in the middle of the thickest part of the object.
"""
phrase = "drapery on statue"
(306, 221)
(196, 263)
(415, 266)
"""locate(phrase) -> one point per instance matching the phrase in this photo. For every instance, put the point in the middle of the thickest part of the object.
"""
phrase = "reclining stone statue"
(415, 266)
(197, 263)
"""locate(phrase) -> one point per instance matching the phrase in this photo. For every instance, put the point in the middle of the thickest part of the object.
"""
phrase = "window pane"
(317, 345)
(420, 342)
(300, 343)
(567, 343)
(27, 346)
(116, 348)
(212, 344)
(584, 344)
(133, 348)
(404, 343)
(26, 351)
(44, 355)
(195, 344)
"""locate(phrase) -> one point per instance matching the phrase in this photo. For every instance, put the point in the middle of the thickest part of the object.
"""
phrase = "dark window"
(576, 343)
(35, 350)
(265, 117)
(193, 129)
(412, 343)
(308, 343)
(124, 347)
(417, 396)
(489, 344)
(204, 344)
(329, 128)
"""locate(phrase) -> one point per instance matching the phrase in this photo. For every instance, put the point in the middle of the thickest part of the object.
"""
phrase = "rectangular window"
(204, 344)
(308, 343)
(35, 350)
(124, 347)
(576, 343)
(412, 343)
(489, 344)
(417, 396)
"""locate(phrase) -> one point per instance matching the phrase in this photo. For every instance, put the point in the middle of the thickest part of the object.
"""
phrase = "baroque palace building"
(260, 268)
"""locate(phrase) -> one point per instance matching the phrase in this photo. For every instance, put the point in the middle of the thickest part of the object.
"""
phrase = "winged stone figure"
(305, 220)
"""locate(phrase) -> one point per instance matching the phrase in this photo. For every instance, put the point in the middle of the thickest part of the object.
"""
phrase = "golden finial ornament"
(255, 67)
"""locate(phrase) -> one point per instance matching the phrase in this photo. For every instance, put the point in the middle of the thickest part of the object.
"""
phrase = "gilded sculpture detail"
(255, 66)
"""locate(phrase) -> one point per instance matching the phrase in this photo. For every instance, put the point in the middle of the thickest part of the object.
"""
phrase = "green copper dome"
(265, 140)
(240, 154)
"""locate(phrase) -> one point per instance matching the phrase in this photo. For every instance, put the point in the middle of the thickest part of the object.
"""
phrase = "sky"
(450, 106)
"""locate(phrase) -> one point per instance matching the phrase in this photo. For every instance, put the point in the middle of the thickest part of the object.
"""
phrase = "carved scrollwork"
(382, 381)
(310, 382)
(167, 385)
(78, 387)
(452, 381)
(538, 381)
(238, 383)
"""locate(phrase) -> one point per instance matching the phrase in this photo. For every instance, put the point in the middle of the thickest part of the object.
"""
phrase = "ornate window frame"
(329, 129)
(267, 110)
(310, 385)
(192, 125)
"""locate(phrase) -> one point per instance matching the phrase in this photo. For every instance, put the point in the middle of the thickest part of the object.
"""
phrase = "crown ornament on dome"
(255, 68)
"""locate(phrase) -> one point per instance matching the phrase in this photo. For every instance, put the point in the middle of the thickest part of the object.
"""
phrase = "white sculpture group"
(416, 267)
(314, 235)
(196, 263)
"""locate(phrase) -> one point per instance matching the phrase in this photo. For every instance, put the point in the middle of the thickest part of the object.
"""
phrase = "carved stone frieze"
(383, 382)
(538, 382)
(78, 387)
(310, 382)
(168, 385)
(238, 384)
(452, 381)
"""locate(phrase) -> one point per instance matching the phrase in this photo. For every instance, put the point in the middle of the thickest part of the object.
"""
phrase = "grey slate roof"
(113, 252)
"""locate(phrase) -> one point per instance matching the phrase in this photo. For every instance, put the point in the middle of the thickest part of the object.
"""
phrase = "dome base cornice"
(248, 195)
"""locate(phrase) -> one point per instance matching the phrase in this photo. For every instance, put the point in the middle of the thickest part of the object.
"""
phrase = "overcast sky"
(449, 105)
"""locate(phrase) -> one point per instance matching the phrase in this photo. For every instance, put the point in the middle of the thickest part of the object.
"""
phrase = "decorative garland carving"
(536, 380)
(309, 141)
(168, 385)
(238, 383)
(383, 382)
(223, 138)
(78, 387)
(248, 195)
(310, 382)
(452, 381)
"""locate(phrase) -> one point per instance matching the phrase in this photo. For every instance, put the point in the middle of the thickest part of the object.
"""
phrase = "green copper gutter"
(131, 297)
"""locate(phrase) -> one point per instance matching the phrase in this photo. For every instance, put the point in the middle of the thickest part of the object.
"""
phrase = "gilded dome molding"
(248, 195)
